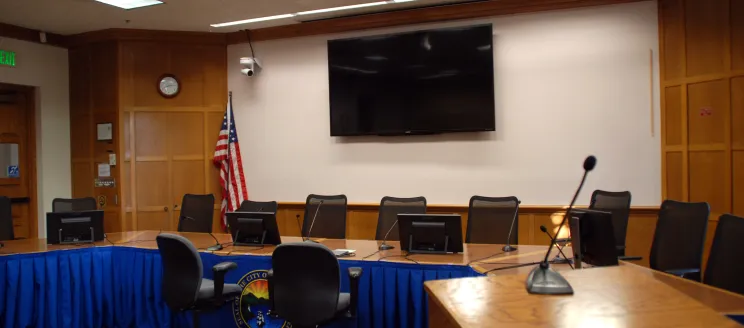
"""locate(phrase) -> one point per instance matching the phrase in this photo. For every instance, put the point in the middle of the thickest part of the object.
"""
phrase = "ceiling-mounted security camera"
(251, 66)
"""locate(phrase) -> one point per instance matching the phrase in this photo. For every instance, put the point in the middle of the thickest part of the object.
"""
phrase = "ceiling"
(77, 16)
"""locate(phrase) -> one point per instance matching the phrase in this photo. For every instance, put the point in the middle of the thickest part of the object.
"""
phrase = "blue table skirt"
(120, 287)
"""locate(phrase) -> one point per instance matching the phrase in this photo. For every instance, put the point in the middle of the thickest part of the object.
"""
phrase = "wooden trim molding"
(31, 35)
(122, 34)
(432, 14)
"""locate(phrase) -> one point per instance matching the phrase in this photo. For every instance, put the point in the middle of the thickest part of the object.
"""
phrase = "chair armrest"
(689, 273)
(270, 281)
(354, 275)
(219, 271)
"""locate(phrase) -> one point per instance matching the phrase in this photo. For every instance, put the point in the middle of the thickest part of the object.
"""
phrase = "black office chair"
(252, 206)
(6, 219)
(617, 203)
(196, 213)
(74, 204)
(390, 207)
(725, 268)
(679, 239)
(305, 285)
(331, 220)
(490, 219)
(184, 289)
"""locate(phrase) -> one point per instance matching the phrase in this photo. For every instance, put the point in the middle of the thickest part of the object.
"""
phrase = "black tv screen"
(419, 82)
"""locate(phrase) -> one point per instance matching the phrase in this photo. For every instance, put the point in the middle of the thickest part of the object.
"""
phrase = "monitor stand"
(260, 243)
(412, 250)
(85, 241)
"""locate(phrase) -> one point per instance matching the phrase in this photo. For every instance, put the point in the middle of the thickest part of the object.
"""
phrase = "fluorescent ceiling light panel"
(371, 4)
(310, 12)
(253, 20)
(131, 4)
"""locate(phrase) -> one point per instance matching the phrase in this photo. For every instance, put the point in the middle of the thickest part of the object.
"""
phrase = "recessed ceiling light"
(362, 5)
(131, 4)
(310, 12)
(253, 20)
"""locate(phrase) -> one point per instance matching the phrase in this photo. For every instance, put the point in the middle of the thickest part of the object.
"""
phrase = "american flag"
(227, 159)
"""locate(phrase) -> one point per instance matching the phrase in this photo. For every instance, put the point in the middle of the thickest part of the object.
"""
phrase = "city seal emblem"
(251, 308)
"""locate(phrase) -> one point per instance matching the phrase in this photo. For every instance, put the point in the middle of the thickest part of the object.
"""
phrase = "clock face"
(168, 86)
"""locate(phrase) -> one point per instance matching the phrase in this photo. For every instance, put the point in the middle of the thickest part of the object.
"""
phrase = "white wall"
(568, 84)
(45, 67)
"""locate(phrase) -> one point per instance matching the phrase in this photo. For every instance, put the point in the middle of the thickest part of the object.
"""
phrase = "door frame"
(33, 194)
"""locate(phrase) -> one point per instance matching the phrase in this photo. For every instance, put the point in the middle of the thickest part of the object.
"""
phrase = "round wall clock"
(168, 86)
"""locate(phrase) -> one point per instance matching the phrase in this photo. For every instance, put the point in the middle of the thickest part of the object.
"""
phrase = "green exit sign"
(7, 58)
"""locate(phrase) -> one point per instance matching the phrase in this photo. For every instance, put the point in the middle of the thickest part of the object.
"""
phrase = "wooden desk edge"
(440, 308)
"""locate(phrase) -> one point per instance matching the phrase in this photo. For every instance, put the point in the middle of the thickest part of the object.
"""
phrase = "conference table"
(116, 283)
(627, 295)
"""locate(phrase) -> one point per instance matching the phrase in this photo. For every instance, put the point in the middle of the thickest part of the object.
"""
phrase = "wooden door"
(152, 171)
(17, 157)
(186, 143)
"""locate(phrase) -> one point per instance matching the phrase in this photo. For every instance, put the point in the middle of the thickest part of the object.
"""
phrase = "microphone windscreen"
(589, 163)
(543, 228)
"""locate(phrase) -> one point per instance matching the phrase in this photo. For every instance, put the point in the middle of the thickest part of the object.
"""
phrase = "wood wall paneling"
(702, 54)
(709, 180)
(738, 183)
(673, 116)
(707, 112)
(673, 36)
(675, 176)
(737, 35)
(737, 111)
(706, 23)
(31, 35)
(172, 139)
(94, 100)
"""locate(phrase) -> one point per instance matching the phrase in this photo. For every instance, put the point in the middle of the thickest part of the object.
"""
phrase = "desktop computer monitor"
(593, 237)
(74, 227)
(253, 228)
(430, 233)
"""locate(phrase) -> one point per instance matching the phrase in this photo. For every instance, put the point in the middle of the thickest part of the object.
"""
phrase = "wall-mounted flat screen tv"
(420, 82)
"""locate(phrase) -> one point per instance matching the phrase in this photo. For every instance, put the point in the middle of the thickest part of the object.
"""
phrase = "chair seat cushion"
(206, 290)
(344, 300)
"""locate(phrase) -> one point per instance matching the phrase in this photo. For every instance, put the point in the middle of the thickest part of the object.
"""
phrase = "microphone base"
(214, 248)
(385, 247)
(509, 248)
(544, 281)
(311, 241)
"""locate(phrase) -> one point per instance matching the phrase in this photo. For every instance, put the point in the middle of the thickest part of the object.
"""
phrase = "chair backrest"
(331, 220)
(196, 213)
(182, 271)
(74, 204)
(390, 207)
(306, 283)
(252, 206)
(6, 220)
(617, 203)
(725, 269)
(489, 220)
(680, 236)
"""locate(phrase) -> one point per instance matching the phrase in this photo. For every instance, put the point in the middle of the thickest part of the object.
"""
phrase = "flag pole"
(229, 141)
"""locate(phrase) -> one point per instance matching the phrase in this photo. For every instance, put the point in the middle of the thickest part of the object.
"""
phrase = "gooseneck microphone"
(545, 230)
(317, 210)
(300, 226)
(217, 246)
(508, 247)
(384, 246)
(543, 280)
